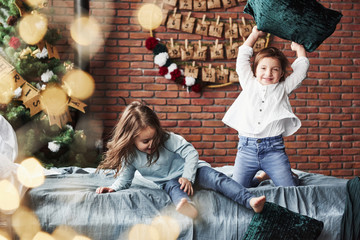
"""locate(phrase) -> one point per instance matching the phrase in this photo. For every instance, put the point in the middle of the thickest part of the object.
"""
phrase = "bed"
(68, 198)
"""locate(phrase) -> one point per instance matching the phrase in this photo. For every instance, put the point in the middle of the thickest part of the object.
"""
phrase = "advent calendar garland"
(169, 69)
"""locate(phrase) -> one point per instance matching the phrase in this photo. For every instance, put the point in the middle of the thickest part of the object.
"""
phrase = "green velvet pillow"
(276, 222)
(306, 22)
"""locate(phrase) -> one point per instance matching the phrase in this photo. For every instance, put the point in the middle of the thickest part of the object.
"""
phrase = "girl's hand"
(299, 49)
(257, 32)
(253, 37)
(186, 186)
(104, 190)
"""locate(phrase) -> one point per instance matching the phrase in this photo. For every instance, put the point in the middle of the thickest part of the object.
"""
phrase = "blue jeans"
(266, 154)
(210, 179)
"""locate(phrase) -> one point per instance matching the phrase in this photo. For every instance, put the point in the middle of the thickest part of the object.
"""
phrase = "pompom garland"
(167, 68)
(151, 42)
(189, 81)
(163, 70)
(161, 59)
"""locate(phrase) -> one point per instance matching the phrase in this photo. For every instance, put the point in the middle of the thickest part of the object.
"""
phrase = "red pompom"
(196, 87)
(150, 43)
(175, 74)
(14, 42)
(163, 70)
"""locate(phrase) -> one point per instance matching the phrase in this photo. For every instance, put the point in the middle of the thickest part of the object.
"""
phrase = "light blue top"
(178, 158)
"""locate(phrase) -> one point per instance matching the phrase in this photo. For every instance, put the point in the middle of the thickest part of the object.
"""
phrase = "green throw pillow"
(306, 22)
(276, 223)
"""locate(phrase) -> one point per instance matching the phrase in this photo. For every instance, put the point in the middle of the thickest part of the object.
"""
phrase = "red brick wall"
(328, 102)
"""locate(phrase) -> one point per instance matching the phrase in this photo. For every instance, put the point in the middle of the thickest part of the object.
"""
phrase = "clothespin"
(172, 42)
(188, 16)
(218, 19)
(203, 19)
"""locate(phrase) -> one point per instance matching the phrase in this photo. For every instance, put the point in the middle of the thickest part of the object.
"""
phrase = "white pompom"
(189, 81)
(172, 67)
(161, 59)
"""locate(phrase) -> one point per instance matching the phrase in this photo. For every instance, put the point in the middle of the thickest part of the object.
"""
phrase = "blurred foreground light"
(33, 27)
(143, 231)
(7, 86)
(43, 236)
(35, 3)
(4, 235)
(64, 232)
(85, 31)
(25, 223)
(150, 16)
(167, 227)
(9, 196)
(30, 173)
(78, 84)
(80, 237)
(54, 100)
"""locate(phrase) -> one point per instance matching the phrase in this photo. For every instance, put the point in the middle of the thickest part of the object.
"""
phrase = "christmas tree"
(30, 65)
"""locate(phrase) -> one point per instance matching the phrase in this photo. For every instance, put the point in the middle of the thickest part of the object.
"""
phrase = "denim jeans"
(210, 179)
(266, 154)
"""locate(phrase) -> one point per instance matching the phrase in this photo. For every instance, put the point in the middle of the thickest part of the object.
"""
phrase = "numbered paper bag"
(217, 51)
(199, 5)
(173, 49)
(187, 51)
(188, 24)
(171, 2)
(174, 21)
(208, 74)
(222, 75)
(229, 3)
(200, 51)
(191, 71)
(185, 4)
(216, 28)
(211, 4)
(202, 26)
(233, 77)
(232, 49)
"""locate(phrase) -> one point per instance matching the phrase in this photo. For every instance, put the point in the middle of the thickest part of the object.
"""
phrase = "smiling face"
(269, 71)
(144, 140)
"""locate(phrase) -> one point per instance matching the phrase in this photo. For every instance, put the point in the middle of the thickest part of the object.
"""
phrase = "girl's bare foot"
(187, 209)
(262, 176)
(257, 203)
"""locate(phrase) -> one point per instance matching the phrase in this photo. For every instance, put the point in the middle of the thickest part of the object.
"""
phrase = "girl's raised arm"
(253, 37)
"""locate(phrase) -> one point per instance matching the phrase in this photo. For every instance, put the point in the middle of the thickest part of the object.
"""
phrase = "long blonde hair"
(121, 147)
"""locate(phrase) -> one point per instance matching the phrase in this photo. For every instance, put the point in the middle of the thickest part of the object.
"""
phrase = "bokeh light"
(4, 235)
(167, 227)
(80, 237)
(143, 231)
(9, 196)
(33, 27)
(150, 16)
(30, 173)
(85, 31)
(64, 232)
(25, 223)
(7, 86)
(54, 100)
(34, 3)
(78, 84)
(43, 236)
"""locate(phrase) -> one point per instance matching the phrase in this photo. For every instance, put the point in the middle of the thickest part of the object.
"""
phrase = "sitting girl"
(167, 159)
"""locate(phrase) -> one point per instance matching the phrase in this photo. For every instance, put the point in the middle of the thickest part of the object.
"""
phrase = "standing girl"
(139, 143)
(262, 113)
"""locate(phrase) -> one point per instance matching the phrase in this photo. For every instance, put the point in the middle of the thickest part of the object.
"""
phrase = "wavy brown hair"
(121, 147)
(272, 52)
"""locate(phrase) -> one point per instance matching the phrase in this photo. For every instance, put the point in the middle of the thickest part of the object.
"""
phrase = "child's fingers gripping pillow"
(306, 22)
